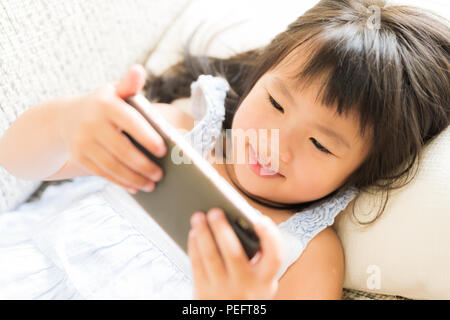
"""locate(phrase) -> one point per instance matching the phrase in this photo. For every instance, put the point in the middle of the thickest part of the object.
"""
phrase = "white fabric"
(208, 111)
(88, 239)
(50, 48)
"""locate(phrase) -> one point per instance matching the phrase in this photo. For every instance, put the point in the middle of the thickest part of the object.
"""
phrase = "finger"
(122, 148)
(92, 167)
(127, 118)
(132, 82)
(271, 247)
(198, 270)
(207, 247)
(113, 166)
(233, 253)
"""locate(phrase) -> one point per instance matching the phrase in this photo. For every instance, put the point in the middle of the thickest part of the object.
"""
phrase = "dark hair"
(395, 75)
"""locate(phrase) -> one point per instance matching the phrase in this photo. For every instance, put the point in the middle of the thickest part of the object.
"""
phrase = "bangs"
(347, 63)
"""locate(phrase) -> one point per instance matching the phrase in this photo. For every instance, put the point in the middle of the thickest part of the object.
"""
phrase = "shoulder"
(319, 271)
(175, 116)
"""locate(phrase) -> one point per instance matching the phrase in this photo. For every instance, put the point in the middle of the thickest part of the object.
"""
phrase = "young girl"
(354, 102)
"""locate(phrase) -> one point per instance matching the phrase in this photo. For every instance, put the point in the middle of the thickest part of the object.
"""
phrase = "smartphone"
(189, 184)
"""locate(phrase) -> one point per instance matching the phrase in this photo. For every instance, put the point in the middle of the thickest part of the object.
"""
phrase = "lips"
(258, 167)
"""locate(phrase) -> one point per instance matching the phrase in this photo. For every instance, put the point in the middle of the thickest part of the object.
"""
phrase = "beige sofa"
(50, 48)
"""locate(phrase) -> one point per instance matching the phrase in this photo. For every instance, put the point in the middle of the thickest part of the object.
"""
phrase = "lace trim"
(208, 110)
(304, 225)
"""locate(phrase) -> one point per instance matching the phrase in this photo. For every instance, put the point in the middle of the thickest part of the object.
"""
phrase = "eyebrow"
(325, 130)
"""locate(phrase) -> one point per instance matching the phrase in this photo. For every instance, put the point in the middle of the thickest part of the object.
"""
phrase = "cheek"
(314, 181)
(306, 179)
(249, 114)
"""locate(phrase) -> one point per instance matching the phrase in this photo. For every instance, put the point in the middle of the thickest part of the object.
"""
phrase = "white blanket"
(88, 239)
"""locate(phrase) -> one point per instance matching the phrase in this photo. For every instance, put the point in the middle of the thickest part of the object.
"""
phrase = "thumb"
(132, 82)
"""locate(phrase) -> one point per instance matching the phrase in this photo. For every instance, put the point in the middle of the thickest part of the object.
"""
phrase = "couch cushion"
(237, 24)
(50, 48)
(406, 251)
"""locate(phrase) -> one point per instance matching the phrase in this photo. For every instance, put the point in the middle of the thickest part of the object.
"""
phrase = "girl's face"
(317, 149)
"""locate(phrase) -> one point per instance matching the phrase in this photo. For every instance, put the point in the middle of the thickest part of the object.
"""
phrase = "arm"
(82, 135)
(318, 273)
(31, 148)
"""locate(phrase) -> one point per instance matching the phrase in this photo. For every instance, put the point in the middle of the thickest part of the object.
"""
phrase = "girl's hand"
(90, 126)
(220, 267)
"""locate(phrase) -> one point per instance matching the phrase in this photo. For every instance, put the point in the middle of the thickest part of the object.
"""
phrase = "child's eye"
(319, 146)
(275, 104)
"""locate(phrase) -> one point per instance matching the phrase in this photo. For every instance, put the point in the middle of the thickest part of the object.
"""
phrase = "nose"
(280, 147)
(285, 145)
(283, 148)
(286, 154)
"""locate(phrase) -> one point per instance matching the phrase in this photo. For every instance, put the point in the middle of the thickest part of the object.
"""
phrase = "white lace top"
(89, 239)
